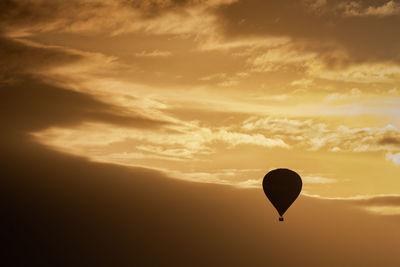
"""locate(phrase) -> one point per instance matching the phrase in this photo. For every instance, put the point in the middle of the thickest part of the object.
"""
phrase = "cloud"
(361, 73)
(156, 7)
(389, 141)
(125, 115)
(361, 39)
(395, 158)
(354, 93)
(19, 57)
(279, 58)
(179, 141)
(32, 101)
(303, 83)
(49, 105)
(224, 79)
(315, 179)
(383, 210)
(234, 139)
(318, 136)
(221, 43)
(383, 204)
(155, 53)
(356, 9)
(316, 5)
(222, 24)
(24, 18)
(216, 76)
(176, 153)
(234, 177)
(264, 33)
(241, 178)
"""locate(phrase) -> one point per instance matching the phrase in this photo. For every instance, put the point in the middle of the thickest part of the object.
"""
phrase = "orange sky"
(104, 101)
(223, 91)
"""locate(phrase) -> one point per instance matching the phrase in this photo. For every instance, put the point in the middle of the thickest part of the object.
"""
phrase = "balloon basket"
(281, 219)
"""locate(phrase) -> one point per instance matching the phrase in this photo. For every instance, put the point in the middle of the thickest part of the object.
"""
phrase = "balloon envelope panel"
(282, 187)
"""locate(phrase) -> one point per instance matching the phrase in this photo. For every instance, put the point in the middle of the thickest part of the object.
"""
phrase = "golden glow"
(211, 96)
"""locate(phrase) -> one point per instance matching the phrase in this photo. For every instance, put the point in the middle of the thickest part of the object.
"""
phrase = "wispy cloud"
(351, 95)
(154, 53)
(356, 9)
(395, 158)
(381, 204)
(314, 179)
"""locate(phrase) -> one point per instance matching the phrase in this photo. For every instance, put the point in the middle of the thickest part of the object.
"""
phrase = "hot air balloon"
(282, 187)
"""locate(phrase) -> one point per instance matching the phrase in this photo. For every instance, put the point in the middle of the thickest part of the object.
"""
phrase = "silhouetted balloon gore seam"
(282, 187)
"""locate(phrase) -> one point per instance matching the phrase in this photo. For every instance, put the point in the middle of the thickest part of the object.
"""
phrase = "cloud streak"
(315, 136)
(384, 204)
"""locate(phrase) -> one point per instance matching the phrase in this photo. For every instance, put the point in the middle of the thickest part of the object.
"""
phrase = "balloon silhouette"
(282, 187)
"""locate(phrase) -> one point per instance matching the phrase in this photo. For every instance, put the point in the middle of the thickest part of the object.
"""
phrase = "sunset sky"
(211, 91)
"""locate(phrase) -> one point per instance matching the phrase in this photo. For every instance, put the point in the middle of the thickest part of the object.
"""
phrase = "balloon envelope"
(282, 187)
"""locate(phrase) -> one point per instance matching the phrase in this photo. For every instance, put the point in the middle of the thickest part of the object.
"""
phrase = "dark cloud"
(317, 26)
(29, 13)
(29, 103)
(58, 14)
(364, 38)
(153, 8)
(32, 105)
(389, 141)
(21, 13)
(19, 58)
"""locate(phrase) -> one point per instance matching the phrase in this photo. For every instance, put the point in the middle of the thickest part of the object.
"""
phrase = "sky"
(206, 96)
(222, 91)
